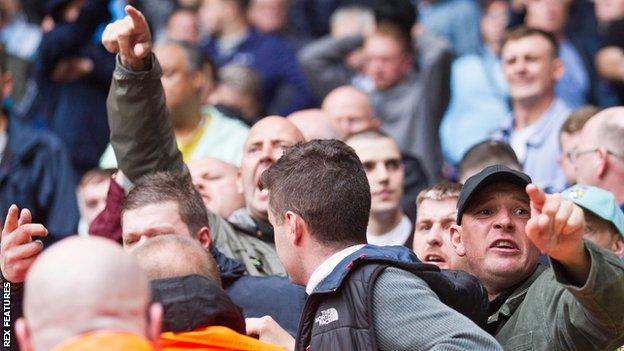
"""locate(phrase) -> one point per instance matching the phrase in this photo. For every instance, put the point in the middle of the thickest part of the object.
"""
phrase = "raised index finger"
(536, 196)
(138, 20)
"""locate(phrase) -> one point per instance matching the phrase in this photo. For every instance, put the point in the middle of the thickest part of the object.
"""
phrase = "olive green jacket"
(143, 140)
(548, 312)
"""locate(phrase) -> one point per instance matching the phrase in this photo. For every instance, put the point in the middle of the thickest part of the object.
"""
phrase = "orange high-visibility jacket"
(215, 338)
(106, 341)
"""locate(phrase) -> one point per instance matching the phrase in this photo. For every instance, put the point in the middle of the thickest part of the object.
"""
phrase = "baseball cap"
(598, 201)
(489, 175)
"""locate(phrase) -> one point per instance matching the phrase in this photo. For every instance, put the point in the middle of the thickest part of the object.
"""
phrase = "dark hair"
(487, 153)
(401, 13)
(97, 175)
(195, 59)
(521, 31)
(577, 119)
(242, 5)
(323, 181)
(397, 34)
(168, 186)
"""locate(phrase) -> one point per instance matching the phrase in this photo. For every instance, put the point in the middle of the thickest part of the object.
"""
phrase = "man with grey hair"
(599, 161)
(239, 90)
(81, 306)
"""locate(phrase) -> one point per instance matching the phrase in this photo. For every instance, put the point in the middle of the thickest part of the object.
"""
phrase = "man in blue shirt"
(531, 67)
(231, 39)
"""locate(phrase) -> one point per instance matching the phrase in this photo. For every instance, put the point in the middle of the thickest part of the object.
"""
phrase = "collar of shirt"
(543, 126)
(324, 269)
(396, 235)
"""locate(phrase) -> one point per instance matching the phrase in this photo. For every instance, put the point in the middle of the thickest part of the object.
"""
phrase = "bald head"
(314, 124)
(215, 180)
(265, 144)
(600, 155)
(350, 110)
(81, 285)
(171, 256)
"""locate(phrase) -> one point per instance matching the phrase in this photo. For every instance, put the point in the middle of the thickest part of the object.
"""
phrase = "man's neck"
(529, 111)
(382, 223)
(234, 31)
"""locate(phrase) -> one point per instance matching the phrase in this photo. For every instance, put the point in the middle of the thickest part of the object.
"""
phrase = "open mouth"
(433, 258)
(505, 245)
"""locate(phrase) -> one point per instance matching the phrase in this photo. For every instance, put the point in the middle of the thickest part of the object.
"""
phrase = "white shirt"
(324, 269)
(396, 236)
(519, 138)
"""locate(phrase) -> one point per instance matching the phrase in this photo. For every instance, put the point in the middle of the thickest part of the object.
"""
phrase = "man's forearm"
(141, 131)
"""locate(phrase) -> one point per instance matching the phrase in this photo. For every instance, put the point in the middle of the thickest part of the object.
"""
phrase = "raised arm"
(141, 131)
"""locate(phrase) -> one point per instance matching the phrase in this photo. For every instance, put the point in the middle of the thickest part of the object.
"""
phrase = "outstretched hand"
(130, 37)
(17, 250)
(556, 227)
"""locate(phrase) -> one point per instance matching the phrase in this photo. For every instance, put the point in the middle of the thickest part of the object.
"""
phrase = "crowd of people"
(312, 175)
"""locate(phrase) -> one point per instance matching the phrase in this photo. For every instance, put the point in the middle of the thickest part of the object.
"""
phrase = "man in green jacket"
(503, 223)
(143, 141)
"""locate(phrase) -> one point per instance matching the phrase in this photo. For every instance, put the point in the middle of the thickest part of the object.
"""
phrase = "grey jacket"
(410, 112)
(547, 312)
(143, 140)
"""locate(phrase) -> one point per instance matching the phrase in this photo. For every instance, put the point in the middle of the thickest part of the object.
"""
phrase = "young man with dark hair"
(381, 158)
(503, 224)
(361, 297)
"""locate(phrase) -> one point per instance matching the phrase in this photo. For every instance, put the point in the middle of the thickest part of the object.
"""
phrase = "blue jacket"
(35, 173)
(76, 111)
(257, 295)
(283, 84)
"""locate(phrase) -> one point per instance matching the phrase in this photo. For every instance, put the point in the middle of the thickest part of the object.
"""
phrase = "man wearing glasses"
(599, 159)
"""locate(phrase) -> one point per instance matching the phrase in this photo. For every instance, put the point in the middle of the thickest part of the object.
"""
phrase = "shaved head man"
(314, 124)
(264, 146)
(350, 109)
(68, 293)
(215, 180)
(599, 158)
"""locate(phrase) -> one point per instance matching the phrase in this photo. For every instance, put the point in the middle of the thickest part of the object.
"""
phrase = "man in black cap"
(503, 222)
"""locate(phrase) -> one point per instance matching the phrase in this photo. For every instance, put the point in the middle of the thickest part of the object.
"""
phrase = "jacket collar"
(229, 268)
(516, 298)
(369, 252)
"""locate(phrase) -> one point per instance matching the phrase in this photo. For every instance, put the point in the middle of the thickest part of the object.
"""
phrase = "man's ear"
(296, 226)
(198, 79)
(7, 84)
(456, 240)
(603, 163)
(23, 335)
(154, 327)
(618, 247)
(558, 68)
(239, 183)
(205, 237)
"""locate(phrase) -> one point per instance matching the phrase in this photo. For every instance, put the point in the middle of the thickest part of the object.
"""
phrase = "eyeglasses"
(573, 156)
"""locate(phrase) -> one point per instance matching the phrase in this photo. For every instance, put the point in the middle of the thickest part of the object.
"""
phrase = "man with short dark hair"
(532, 66)
(381, 158)
(361, 297)
(487, 153)
(503, 223)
